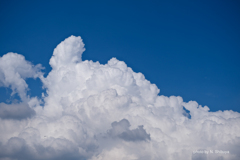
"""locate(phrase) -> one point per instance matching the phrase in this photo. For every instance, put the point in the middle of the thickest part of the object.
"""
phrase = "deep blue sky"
(187, 48)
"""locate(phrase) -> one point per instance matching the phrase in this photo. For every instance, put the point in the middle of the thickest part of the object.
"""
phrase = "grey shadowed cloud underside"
(16, 111)
(121, 130)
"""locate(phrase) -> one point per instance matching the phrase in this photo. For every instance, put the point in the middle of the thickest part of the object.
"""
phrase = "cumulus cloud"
(14, 69)
(121, 130)
(67, 52)
(16, 111)
(105, 111)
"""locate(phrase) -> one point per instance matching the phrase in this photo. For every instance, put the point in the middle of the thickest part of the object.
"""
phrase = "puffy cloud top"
(105, 111)
(67, 52)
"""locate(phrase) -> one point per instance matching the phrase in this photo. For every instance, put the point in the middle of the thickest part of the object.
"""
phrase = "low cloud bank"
(105, 111)
(16, 111)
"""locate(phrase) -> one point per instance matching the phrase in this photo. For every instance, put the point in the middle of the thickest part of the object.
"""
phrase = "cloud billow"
(107, 111)
(16, 111)
(121, 130)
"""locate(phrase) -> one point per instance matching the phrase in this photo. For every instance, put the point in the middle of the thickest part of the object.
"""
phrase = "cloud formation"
(121, 130)
(15, 111)
(105, 111)
(14, 69)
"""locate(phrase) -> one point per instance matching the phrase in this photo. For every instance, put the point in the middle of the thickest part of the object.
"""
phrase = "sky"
(189, 49)
(162, 77)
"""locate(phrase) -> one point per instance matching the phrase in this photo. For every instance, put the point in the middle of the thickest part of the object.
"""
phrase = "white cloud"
(106, 111)
(67, 52)
(14, 69)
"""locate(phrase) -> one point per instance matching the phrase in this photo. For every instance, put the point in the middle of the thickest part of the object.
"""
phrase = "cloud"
(18, 148)
(105, 111)
(67, 52)
(121, 130)
(14, 69)
(16, 111)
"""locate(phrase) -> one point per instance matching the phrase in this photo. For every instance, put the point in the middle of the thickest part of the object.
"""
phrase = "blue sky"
(187, 48)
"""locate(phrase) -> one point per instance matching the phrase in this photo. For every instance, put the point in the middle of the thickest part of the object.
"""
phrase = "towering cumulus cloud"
(94, 111)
